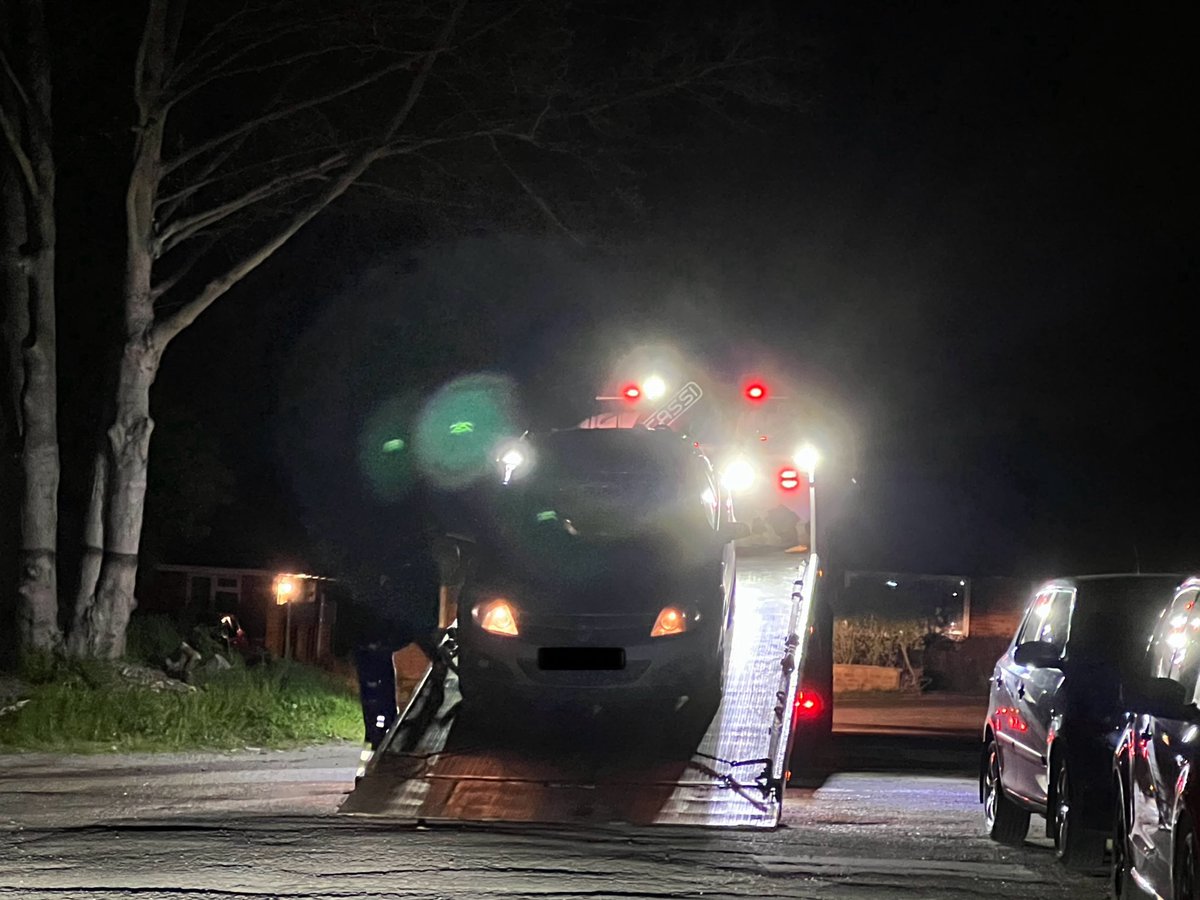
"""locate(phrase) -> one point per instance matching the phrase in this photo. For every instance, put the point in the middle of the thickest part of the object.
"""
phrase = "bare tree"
(252, 118)
(27, 269)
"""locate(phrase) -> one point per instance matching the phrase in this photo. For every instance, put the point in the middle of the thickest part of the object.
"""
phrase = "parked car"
(1157, 808)
(1056, 710)
(606, 574)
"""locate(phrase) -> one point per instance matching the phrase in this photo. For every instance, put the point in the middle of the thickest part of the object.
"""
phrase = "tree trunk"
(14, 326)
(38, 588)
(102, 617)
(29, 241)
(93, 547)
(119, 490)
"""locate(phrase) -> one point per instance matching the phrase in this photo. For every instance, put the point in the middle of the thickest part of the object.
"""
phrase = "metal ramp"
(665, 767)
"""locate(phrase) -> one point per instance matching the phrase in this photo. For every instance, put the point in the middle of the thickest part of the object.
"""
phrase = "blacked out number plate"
(581, 658)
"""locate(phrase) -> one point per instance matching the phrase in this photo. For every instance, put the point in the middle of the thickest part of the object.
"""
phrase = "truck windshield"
(607, 483)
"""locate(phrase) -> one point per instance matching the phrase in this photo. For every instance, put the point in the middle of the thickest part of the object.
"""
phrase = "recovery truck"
(436, 765)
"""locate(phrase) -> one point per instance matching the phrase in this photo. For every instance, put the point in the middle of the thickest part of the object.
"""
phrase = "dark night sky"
(977, 236)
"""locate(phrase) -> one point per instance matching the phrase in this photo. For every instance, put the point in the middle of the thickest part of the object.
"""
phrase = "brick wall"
(848, 678)
(997, 604)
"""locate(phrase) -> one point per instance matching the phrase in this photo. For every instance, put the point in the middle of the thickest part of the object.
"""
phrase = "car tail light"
(672, 620)
(496, 617)
(807, 706)
(789, 479)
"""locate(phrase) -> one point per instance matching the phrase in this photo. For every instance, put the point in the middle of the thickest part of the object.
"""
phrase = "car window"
(1176, 645)
(1049, 618)
(1019, 637)
(1033, 620)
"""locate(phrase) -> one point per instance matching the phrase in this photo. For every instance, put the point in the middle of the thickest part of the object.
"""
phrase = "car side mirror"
(732, 531)
(1162, 698)
(1038, 654)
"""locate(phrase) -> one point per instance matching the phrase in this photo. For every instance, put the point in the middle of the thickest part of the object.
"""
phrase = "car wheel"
(1078, 847)
(1121, 876)
(1006, 822)
(1185, 873)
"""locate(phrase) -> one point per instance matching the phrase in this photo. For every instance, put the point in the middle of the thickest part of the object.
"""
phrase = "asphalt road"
(896, 817)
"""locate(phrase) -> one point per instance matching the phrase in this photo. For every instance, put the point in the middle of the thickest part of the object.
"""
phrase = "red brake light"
(789, 479)
(807, 706)
(631, 392)
(756, 391)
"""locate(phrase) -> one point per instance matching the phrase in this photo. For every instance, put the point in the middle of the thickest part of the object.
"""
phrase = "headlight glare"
(496, 616)
(738, 475)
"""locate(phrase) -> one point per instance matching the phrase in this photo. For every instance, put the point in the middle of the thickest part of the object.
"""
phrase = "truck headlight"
(496, 616)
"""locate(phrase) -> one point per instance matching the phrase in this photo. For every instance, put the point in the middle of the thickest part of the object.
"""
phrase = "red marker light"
(789, 479)
(756, 391)
(631, 392)
(807, 706)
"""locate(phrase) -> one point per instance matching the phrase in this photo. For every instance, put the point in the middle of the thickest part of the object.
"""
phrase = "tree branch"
(203, 178)
(282, 113)
(205, 61)
(418, 83)
(165, 330)
(167, 202)
(178, 275)
(24, 164)
(537, 199)
(16, 82)
(219, 74)
(177, 232)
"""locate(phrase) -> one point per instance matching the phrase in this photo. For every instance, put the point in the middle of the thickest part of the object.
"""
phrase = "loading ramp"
(655, 767)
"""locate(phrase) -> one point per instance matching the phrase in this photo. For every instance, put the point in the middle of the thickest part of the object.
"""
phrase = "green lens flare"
(461, 426)
(384, 461)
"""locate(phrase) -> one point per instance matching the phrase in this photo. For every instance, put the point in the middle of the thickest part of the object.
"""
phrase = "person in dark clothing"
(376, 690)
(373, 652)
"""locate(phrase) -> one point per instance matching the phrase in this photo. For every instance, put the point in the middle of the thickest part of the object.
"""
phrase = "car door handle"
(1021, 692)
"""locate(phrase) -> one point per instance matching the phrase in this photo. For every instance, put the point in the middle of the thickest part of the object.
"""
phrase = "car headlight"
(674, 620)
(496, 616)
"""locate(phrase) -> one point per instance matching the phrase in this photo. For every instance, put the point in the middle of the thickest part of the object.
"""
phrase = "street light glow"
(512, 458)
(284, 588)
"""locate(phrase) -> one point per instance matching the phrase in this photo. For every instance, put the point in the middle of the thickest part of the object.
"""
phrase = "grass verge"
(276, 706)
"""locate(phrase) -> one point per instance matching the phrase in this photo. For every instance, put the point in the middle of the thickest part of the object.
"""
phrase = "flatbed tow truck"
(437, 767)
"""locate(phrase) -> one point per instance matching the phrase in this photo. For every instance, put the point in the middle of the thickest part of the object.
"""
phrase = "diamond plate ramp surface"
(561, 766)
